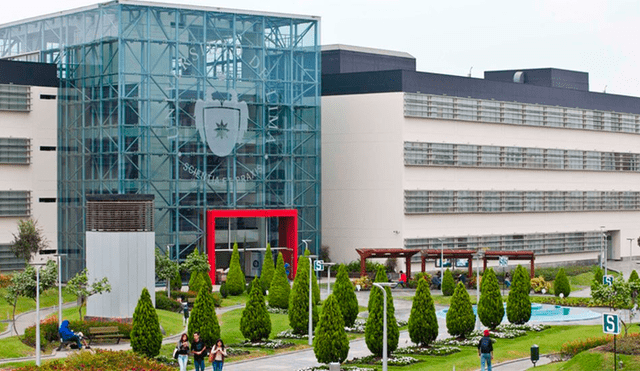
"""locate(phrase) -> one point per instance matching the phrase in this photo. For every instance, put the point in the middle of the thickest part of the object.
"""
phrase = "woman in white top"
(216, 357)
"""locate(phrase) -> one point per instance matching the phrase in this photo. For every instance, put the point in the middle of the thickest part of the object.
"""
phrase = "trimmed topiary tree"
(374, 327)
(299, 300)
(223, 290)
(196, 282)
(236, 281)
(423, 324)
(314, 283)
(490, 307)
(206, 281)
(330, 343)
(460, 317)
(268, 269)
(176, 279)
(518, 301)
(146, 337)
(255, 323)
(448, 284)
(203, 319)
(561, 284)
(279, 289)
(598, 274)
(345, 294)
(633, 276)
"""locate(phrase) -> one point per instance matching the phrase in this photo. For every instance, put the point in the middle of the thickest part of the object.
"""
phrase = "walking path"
(305, 358)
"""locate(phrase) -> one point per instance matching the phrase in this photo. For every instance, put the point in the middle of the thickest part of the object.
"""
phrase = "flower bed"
(269, 344)
(393, 360)
(428, 351)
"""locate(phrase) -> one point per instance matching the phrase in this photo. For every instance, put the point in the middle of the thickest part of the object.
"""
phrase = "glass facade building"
(202, 108)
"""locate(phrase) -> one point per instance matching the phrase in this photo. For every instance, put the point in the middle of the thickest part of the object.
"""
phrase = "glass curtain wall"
(203, 109)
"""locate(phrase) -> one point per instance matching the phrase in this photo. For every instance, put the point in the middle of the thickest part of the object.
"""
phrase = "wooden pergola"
(512, 255)
(448, 254)
(386, 253)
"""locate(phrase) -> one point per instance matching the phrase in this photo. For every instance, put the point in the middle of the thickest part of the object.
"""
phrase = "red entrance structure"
(287, 229)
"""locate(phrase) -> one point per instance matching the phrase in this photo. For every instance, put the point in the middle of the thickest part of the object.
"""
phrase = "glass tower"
(200, 107)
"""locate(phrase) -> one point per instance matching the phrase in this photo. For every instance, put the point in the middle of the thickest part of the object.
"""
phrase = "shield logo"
(222, 124)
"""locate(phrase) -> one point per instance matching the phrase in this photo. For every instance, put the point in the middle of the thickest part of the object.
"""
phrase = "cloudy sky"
(454, 37)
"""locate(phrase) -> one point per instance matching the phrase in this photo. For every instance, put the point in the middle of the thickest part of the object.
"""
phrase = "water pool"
(547, 313)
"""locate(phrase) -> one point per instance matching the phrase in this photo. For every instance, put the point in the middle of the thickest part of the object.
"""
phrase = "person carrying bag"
(216, 357)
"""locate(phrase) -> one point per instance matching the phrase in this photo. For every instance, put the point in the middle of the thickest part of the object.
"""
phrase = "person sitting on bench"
(435, 281)
(66, 334)
(403, 279)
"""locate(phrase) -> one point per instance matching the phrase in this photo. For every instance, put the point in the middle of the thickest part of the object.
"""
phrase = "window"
(15, 203)
(15, 98)
(15, 151)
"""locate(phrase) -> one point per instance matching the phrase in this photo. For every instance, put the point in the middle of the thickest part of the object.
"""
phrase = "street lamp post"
(381, 286)
(328, 277)
(311, 257)
(59, 256)
(477, 288)
(630, 254)
(603, 262)
(441, 258)
(169, 278)
(37, 315)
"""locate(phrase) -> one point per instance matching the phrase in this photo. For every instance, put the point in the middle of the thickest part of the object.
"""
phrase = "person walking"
(182, 351)
(199, 351)
(485, 351)
(185, 310)
(216, 357)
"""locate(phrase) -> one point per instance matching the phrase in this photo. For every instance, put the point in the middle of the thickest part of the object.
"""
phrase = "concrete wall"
(127, 259)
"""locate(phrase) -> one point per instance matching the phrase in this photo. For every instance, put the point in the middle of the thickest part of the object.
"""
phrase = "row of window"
(469, 109)
(15, 97)
(15, 203)
(15, 151)
(468, 155)
(539, 243)
(447, 202)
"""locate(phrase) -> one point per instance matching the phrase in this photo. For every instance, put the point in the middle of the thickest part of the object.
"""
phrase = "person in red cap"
(485, 351)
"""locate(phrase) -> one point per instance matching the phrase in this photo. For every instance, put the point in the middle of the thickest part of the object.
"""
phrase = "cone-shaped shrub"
(633, 276)
(375, 321)
(490, 307)
(255, 323)
(235, 278)
(268, 269)
(423, 324)
(460, 317)
(598, 274)
(518, 301)
(195, 281)
(279, 289)
(345, 294)
(330, 343)
(314, 283)
(146, 337)
(448, 284)
(223, 290)
(299, 300)
(203, 319)
(206, 282)
(561, 284)
(176, 280)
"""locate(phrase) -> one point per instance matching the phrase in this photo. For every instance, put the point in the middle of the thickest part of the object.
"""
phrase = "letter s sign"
(610, 323)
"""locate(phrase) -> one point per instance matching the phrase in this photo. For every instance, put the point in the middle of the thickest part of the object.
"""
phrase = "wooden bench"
(104, 333)
(65, 343)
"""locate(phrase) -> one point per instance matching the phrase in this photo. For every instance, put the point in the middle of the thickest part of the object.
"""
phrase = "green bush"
(550, 273)
(176, 280)
(203, 319)
(577, 346)
(370, 266)
(448, 284)
(183, 294)
(598, 274)
(518, 301)
(279, 290)
(268, 270)
(206, 281)
(330, 343)
(561, 284)
(538, 284)
(255, 323)
(235, 278)
(490, 308)
(345, 293)
(299, 300)
(196, 281)
(223, 290)
(165, 303)
(460, 317)
(423, 324)
(99, 360)
(217, 299)
(146, 337)
(374, 327)
(49, 330)
(633, 276)
(415, 279)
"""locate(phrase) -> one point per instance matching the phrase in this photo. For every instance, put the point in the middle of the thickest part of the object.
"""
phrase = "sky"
(460, 37)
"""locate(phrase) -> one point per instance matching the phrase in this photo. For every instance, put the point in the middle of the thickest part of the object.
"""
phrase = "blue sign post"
(318, 265)
(611, 325)
(607, 280)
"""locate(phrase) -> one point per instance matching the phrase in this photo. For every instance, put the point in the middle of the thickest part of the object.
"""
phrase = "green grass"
(592, 360)
(235, 300)
(3, 326)
(230, 329)
(12, 347)
(170, 321)
(48, 299)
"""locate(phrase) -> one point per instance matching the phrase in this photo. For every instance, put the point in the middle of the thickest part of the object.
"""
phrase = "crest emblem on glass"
(222, 124)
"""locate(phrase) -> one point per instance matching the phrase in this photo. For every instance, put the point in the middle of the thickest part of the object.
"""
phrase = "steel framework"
(131, 74)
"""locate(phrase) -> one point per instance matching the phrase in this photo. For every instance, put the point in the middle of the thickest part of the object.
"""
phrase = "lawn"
(235, 300)
(592, 360)
(48, 299)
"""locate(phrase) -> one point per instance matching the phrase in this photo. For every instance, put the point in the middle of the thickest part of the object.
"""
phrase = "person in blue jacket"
(66, 334)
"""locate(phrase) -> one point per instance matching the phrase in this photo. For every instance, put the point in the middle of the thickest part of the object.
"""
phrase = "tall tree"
(203, 319)
(299, 300)
(345, 293)
(460, 317)
(279, 290)
(490, 307)
(28, 241)
(146, 337)
(373, 332)
(518, 301)
(255, 323)
(236, 280)
(423, 324)
(165, 268)
(80, 287)
(268, 269)
(330, 343)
